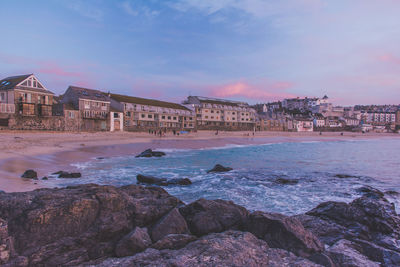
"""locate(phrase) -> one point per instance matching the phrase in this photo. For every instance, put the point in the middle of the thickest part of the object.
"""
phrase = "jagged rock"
(287, 181)
(76, 224)
(172, 223)
(392, 192)
(173, 241)
(69, 175)
(134, 242)
(344, 253)
(207, 216)
(230, 248)
(151, 180)
(220, 168)
(179, 181)
(45, 178)
(162, 181)
(364, 215)
(346, 176)
(29, 174)
(19, 261)
(328, 232)
(369, 223)
(148, 153)
(370, 191)
(281, 231)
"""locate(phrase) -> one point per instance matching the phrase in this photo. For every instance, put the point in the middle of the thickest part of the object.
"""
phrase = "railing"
(7, 108)
(95, 116)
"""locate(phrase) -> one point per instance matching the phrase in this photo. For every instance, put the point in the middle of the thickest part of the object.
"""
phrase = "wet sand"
(48, 152)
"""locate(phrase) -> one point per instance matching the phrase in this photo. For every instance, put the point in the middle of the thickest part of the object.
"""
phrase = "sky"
(250, 50)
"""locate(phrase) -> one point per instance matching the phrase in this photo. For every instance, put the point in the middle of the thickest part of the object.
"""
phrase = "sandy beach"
(47, 152)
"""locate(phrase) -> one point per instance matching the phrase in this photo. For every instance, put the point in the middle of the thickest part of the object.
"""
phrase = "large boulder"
(148, 153)
(172, 223)
(208, 216)
(365, 216)
(173, 241)
(369, 224)
(147, 179)
(230, 248)
(281, 231)
(220, 168)
(344, 253)
(134, 242)
(64, 174)
(151, 180)
(80, 223)
(30, 174)
(286, 181)
(179, 181)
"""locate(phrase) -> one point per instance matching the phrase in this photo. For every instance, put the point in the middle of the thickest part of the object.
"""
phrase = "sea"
(324, 171)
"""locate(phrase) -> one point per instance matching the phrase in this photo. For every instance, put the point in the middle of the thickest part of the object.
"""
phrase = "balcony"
(90, 115)
(7, 108)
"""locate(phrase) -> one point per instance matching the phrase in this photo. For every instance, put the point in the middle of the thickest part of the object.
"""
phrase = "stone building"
(85, 109)
(145, 114)
(213, 114)
(26, 104)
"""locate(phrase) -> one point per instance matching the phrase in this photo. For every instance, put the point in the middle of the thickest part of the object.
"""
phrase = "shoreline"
(48, 152)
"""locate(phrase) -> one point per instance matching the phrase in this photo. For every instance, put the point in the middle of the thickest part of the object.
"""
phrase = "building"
(212, 113)
(349, 121)
(379, 118)
(319, 120)
(143, 114)
(303, 124)
(25, 103)
(93, 108)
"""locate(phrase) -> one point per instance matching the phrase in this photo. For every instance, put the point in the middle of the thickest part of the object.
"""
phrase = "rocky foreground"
(92, 225)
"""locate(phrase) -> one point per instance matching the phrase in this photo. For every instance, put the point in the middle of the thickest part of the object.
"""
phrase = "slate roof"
(11, 82)
(90, 94)
(144, 101)
(220, 101)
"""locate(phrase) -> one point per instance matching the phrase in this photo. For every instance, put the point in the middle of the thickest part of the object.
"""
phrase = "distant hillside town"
(26, 104)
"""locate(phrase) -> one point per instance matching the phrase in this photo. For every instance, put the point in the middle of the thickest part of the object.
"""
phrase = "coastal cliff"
(93, 225)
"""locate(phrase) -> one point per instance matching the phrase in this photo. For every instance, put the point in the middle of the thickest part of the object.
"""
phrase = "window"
(71, 114)
(233, 113)
(128, 114)
(143, 116)
(149, 116)
(116, 115)
(38, 99)
(28, 109)
(163, 117)
(212, 111)
(169, 117)
(2, 97)
(175, 118)
(87, 104)
(206, 117)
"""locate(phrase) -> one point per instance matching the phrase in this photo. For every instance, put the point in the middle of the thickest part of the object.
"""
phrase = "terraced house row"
(26, 104)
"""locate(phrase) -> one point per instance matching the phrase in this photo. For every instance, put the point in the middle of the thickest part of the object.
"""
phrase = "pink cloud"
(265, 91)
(55, 69)
(54, 73)
(389, 58)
